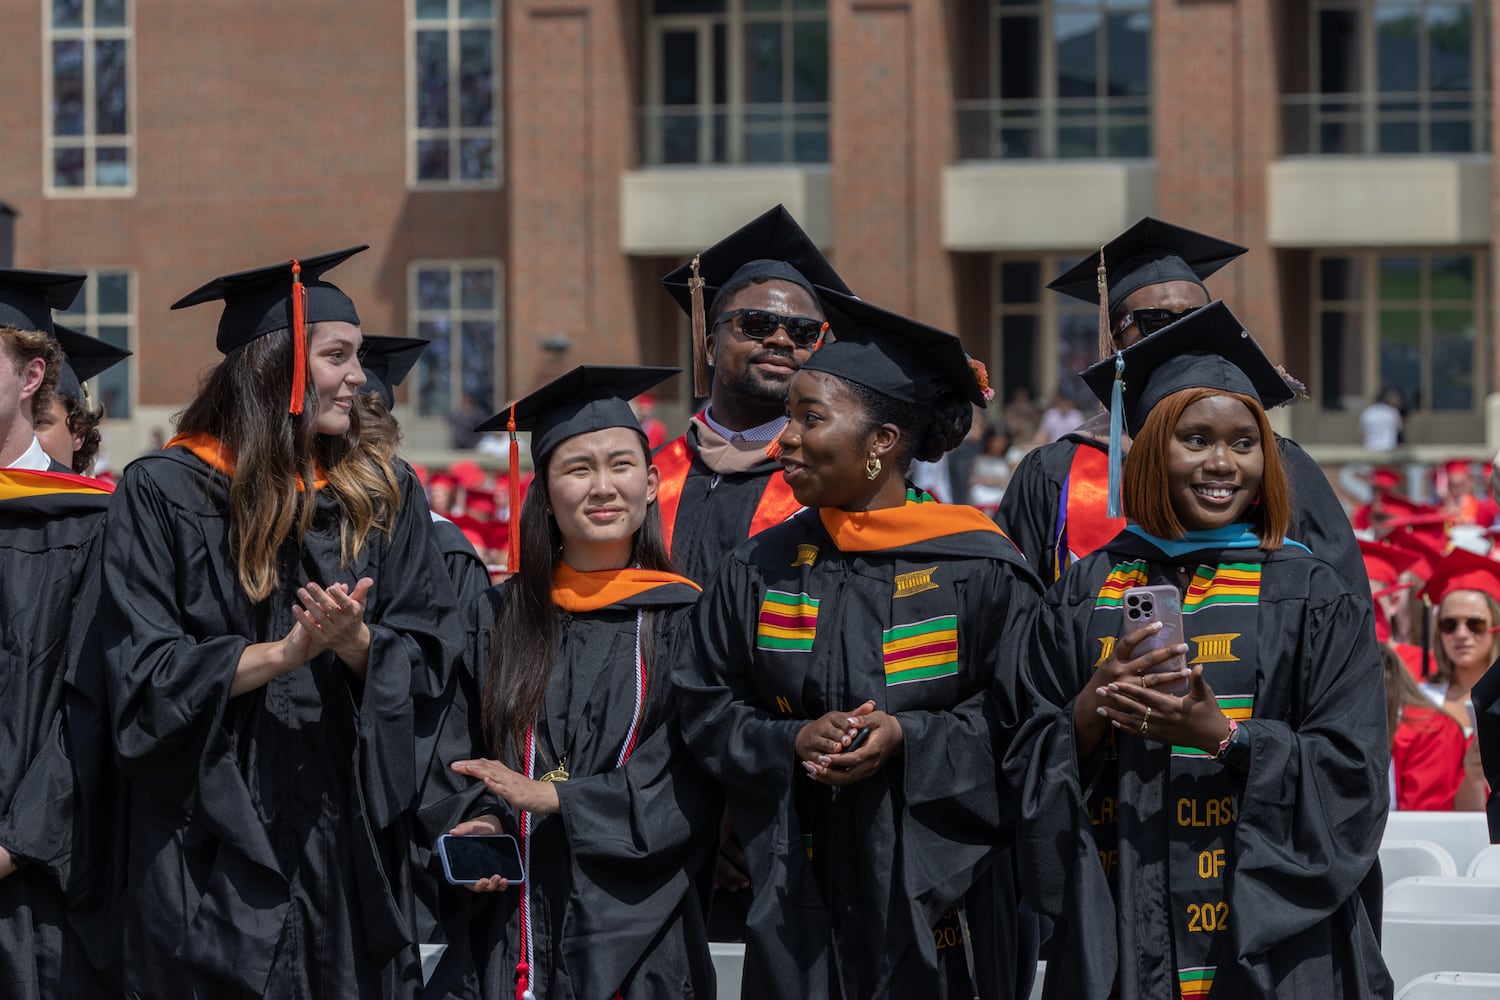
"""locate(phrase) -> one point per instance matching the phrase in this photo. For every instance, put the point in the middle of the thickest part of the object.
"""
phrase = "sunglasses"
(1150, 320)
(1476, 626)
(758, 324)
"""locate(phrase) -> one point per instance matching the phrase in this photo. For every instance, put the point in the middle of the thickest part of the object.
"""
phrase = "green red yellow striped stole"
(1120, 579)
(1193, 983)
(1227, 583)
(1238, 707)
(920, 651)
(787, 623)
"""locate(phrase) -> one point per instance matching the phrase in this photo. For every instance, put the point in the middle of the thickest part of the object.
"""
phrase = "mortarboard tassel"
(1106, 335)
(773, 450)
(513, 542)
(700, 332)
(299, 339)
(1116, 435)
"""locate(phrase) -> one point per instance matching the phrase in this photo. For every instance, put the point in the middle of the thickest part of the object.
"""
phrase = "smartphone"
(857, 740)
(466, 860)
(1160, 603)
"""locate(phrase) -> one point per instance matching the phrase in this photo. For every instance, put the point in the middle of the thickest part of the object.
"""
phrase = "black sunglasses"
(1150, 320)
(758, 324)
(1476, 626)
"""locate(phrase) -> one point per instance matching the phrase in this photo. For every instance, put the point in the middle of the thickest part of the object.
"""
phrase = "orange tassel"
(299, 339)
(700, 332)
(773, 450)
(1106, 335)
(513, 541)
(822, 335)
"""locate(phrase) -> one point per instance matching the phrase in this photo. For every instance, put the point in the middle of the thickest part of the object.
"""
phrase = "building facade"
(525, 170)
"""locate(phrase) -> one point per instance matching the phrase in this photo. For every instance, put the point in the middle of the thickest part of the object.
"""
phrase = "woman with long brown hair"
(274, 647)
(575, 735)
(1209, 828)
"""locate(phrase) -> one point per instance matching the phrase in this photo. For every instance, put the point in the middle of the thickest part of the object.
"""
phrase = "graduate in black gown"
(68, 428)
(1054, 508)
(1213, 844)
(274, 649)
(55, 927)
(575, 743)
(875, 614)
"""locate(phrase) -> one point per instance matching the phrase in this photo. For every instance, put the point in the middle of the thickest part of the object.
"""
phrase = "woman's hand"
(7, 863)
(1193, 720)
(849, 766)
(538, 797)
(1122, 665)
(483, 826)
(828, 734)
(335, 619)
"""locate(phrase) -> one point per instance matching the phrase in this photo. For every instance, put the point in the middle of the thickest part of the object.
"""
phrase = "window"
(1042, 339)
(1407, 319)
(455, 130)
(1387, 76)
(89, 142)
(106, 309)
(456, 305)
(736, 81)
(1065, 79)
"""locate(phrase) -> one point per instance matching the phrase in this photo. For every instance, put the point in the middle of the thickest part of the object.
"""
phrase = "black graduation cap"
(1150, 252)
(386, 361)
(27, 298)
(84, 357)
(894, 355)
(1207, 348)
(588, 398)
(770, 246)
(266, 299)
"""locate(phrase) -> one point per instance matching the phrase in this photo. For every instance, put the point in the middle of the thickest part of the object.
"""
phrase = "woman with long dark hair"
(849, 686)
(273, 617)
(579, 749)
(1209, 828)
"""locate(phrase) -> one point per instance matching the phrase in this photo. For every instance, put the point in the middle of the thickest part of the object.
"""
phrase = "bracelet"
(1228, 739)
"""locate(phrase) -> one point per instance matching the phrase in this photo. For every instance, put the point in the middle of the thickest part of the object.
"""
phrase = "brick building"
(526, 169)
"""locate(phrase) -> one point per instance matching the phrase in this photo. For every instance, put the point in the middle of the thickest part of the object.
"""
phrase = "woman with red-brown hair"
(1218, 801)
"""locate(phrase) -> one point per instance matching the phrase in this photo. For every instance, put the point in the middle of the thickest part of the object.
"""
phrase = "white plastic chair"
(1415, 944)
(1461, 834)
(1486, 863)
(729, 967)
(1401, 859)
(1454, 895)
(1452, 986)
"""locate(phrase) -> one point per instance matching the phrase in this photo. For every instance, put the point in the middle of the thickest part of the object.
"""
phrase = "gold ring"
(1146, 720)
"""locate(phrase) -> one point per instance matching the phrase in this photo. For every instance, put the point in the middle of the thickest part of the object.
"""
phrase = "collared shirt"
(33, 459)
(764, 432)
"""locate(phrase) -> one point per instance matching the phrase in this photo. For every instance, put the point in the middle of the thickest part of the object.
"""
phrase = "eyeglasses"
(1476, 626)
(1150, 320)
(758, 324)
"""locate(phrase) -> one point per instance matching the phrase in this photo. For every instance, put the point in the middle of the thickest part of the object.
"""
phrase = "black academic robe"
(1164, 869)
(615, 880)
(1031, 512)
(866, 891)
(466, 570)
(1486, 698)
(55, 926)
(268, 833)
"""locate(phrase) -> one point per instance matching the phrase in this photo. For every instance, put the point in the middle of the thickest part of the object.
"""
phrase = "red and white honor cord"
(523, 967)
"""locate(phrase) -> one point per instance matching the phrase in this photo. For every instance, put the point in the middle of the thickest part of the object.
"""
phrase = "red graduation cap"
(1385, 563)
(1463, 570)
(467, 474)
(1429, 555)
(1385, 479)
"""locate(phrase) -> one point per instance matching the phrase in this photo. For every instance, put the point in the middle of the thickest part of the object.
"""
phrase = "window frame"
(1049, 307)
(456, 316)
(88, 34)
(90, 319)
(454, 134)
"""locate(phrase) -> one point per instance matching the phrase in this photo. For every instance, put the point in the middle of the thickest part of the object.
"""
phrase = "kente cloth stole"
(1220, 615)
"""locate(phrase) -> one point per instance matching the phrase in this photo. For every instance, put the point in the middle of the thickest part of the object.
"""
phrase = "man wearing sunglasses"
(1055, 508)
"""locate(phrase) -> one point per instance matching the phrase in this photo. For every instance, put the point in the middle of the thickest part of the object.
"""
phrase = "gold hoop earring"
(872, 467)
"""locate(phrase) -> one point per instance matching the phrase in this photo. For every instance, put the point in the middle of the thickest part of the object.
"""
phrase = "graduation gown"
(1486, 698)
(1427, 759)
(466, 570)
(614, 881)
(1165, 870)
(1043, 499)
(705, 514)
(869, 890)
(54, 750)
(268, 833)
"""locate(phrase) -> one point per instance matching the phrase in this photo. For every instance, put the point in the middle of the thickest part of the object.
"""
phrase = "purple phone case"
(1161, 602)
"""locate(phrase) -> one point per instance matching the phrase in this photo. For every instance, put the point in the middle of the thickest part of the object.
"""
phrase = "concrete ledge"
(1332, 201)
(1044, 204)
(675, 211)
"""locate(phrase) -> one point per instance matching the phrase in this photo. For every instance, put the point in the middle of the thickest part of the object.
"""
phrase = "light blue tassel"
(1116, 434)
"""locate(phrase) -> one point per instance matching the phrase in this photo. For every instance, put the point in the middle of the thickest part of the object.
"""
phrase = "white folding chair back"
(1401, 859)
(1486, 863)
(1461, 834)
(1415, 944)
(1452, 986)
(1452, 895)
(729, 967)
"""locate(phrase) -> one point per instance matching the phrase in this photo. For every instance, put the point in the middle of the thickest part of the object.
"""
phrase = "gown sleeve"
(1428, 759)
(1319, 521)
(1028, 511)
